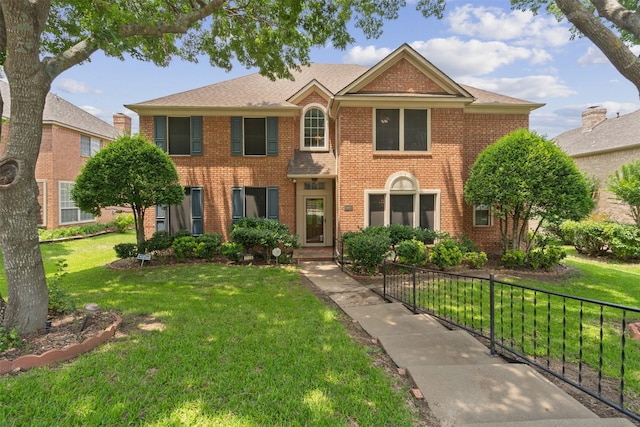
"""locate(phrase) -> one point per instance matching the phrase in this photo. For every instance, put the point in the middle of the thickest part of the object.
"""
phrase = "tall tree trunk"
(29, 84)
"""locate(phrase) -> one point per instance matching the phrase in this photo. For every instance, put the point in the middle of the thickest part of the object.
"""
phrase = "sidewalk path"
(462, 383)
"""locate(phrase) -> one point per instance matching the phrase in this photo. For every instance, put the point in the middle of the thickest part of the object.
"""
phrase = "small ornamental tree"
(130, 172)
(625, 185)
(523, 176)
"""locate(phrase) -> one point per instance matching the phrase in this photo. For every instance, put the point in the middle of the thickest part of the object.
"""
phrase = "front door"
(314, 220)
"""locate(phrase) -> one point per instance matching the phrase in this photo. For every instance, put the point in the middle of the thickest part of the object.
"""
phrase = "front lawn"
(241, 346)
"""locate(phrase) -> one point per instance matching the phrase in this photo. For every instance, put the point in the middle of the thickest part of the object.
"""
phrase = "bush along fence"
(580, 341)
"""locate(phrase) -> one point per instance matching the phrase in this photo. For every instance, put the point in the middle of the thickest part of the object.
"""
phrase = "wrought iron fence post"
(492, 315)
(384, 279)
(415, 308)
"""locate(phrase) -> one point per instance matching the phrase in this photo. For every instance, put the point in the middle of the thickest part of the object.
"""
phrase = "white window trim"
(60, 183)
(403, 177)
(401, 132)
(95, 145)
(475, 208)
(320, 107)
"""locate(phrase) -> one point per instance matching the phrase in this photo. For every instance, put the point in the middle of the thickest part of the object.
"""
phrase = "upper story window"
(254, 136)
(314, 129)
(178, 136)
(89, 146)
(402, 129)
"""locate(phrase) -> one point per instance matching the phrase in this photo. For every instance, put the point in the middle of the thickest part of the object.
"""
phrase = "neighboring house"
(338, 148)
(70, 136)
(599, 148)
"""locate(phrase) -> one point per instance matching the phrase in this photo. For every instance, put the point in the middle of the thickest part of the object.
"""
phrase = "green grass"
(242, 346)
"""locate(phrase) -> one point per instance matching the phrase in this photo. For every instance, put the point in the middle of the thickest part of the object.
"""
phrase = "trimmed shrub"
(475, 259)
(412, 252)
(262, 235)
(207, 245)
(367, 249)
(588, 237)
(544, 258)
(184, 247)
(514, 258)
(446, 253)
(126, 250)
(123, 222)
(232, 251)
(160, 241)
(624, 240)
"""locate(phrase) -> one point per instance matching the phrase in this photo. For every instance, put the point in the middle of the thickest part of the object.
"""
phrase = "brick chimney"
(591, 117)
(122, 122)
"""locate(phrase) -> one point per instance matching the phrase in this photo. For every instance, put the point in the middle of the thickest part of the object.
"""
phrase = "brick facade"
(457, 135)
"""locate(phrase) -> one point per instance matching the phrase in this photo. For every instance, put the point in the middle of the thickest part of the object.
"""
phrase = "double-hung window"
(186, 216)
(178, 136)
(69, 212)
(254, 136)
(254, 202)
(89, 146)
(402, 129)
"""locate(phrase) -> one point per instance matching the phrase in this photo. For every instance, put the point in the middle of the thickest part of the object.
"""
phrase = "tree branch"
(613, 11)
(609, 43)
(82, 50)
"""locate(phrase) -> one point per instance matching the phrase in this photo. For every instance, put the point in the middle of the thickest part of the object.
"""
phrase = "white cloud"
(74, 86)
(458, 58)
(594, 56)
(523, 27)
(368, 55)
(531, 88)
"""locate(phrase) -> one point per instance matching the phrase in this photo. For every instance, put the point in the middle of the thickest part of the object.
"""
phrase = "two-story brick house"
(70, 136)
(337, 148)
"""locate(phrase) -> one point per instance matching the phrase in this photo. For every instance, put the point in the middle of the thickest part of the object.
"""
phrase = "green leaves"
(625, 184)
(524, 176)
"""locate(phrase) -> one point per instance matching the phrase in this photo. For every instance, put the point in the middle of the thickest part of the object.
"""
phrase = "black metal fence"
(584, 342)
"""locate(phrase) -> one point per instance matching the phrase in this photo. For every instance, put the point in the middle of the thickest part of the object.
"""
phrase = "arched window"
(314, 129)
(403, 202)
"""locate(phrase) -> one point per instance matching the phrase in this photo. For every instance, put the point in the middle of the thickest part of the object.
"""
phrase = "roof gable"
(419, 76)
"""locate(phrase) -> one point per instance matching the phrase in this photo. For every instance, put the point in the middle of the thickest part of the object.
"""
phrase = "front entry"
(314, 212)
(314, 219)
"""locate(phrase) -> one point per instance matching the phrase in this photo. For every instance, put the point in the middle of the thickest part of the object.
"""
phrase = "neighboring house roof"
(62, 113)
(615, 134)
(255, 91)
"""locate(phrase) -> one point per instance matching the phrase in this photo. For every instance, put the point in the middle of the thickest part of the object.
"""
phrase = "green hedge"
(595, 238)
(262, 235)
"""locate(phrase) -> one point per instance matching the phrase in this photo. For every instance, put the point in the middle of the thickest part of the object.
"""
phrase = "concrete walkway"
(462, 383)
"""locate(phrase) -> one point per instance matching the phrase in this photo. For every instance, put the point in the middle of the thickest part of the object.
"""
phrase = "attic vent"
(591, 117)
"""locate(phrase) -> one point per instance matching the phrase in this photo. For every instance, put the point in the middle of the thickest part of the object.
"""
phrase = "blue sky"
(485, 44)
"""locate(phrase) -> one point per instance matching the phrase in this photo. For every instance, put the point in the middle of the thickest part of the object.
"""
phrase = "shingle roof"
(307, 163)
(63, 113)
(255, 90)
(608, 135)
